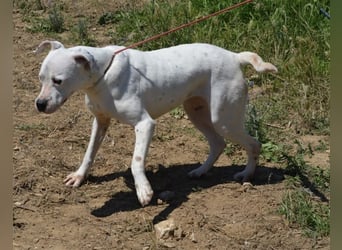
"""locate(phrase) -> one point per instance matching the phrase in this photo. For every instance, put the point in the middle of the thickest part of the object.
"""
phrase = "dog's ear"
(45, 44)
(80, 59)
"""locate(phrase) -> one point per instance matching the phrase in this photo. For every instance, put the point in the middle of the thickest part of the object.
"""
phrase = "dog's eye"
(56, 81)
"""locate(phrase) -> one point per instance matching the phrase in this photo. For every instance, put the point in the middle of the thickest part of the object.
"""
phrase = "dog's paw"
(243, 176)
(73, 180)
(196, 173)
(144, 193)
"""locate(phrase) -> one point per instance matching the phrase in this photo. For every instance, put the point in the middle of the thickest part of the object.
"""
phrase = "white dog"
(136, 87)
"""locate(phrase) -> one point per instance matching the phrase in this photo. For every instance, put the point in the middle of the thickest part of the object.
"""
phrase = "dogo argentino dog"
(136, 87)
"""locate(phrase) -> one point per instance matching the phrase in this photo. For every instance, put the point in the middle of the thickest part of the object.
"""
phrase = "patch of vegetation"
(27, 6)
(314, 178)
(272, 152)
(322, 146)
(54, 23)
(231, 148)
(28, 127)
(255, 124)
(178, 113)
(299, 208)
(307, 202)
(82, 35)
(56, 20)
(110, 18)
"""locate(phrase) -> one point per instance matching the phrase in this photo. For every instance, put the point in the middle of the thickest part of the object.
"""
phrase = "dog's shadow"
(175, 179)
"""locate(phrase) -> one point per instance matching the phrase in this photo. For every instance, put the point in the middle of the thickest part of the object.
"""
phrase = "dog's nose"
(41, 105)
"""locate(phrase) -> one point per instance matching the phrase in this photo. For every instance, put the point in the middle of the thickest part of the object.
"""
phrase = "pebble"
(165, 229)
(193, 238)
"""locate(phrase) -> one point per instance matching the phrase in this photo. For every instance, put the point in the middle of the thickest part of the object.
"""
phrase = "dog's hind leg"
(199, 114)
(252, 147)
(229, 122)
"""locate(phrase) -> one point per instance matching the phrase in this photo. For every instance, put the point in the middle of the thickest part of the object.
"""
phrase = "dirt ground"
(213, 212)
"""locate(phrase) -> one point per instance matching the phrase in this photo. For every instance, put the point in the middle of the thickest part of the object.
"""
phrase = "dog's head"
(62, 72)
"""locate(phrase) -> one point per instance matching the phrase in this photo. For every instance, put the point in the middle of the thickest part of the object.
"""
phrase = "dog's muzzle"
(41, 104)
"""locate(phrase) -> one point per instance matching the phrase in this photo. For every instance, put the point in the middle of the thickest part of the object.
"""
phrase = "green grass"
(29, 127)
(177, 113)
(313, 177)
(306, 203)
(299, 208)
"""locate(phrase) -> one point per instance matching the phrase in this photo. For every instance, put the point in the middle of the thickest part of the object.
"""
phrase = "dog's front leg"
(99, 129)
(143, 132)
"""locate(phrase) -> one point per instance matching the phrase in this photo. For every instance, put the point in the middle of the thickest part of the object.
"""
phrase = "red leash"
(183, 26)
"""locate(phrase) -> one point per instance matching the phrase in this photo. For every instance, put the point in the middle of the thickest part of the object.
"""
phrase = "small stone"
(179, 233)
(165, 229)
(18, 204)
(193, 238)
(160, 202)
(246, 183)
(246, 186)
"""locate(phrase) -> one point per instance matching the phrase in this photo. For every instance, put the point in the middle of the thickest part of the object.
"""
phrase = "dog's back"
(171, 75)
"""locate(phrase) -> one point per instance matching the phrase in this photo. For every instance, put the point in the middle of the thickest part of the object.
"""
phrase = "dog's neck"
(94, 85)
(104, 58)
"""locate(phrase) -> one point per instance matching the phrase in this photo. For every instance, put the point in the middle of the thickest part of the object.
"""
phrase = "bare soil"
(213, 212)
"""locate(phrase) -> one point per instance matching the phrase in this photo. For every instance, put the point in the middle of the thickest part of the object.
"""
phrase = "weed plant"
(56, 20)
(82, 34)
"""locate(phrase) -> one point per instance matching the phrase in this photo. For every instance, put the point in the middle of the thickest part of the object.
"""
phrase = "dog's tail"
(256, 61)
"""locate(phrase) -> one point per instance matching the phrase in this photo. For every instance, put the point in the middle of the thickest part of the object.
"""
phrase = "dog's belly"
(161, 101)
